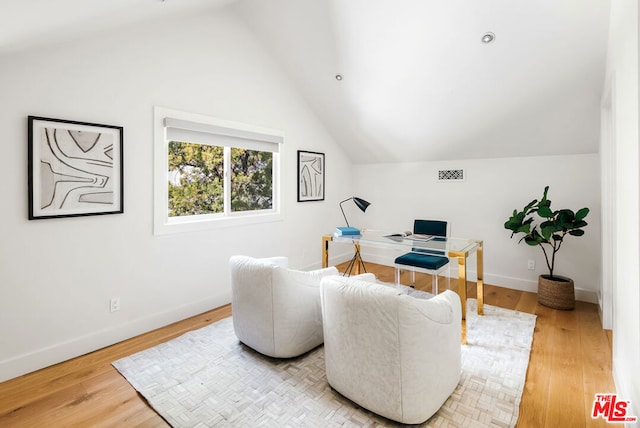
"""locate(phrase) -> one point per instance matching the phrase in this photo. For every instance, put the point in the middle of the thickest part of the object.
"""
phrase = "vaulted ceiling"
(417, 82)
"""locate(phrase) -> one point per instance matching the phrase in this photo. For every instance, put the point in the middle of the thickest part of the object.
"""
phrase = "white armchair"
(394, 354)
(276, 310)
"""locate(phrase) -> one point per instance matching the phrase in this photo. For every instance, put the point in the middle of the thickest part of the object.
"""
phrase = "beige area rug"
(206, 378)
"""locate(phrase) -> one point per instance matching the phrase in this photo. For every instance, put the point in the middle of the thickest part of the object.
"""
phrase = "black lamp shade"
(361, 203)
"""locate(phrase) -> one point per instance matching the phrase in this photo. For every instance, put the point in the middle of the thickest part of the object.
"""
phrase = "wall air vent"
(449, 175)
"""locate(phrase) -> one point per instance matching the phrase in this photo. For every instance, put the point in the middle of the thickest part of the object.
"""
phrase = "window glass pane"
(251, 180)
(196, 177)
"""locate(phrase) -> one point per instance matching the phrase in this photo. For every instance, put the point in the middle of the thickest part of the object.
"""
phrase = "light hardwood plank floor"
(570, 362)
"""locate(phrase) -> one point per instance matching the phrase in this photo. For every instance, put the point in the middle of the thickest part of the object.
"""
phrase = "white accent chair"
(276, 310)
(391, 353)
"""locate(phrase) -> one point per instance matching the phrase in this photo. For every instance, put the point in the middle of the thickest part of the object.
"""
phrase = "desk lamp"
(360, 203)
(357, 259)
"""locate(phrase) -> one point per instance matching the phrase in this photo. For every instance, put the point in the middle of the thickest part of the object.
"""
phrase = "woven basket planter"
(556, 294)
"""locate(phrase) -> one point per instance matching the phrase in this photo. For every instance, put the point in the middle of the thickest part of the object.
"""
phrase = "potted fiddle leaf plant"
(540, 226)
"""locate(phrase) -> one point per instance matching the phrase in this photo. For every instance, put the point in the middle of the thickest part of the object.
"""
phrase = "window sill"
(167, 226)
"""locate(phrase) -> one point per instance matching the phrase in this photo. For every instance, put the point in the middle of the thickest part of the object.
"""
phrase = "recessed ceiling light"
(488, 37)
(338, 76)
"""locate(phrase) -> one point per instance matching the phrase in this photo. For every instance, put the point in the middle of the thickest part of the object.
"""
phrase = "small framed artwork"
(75, 168)
(311, 170)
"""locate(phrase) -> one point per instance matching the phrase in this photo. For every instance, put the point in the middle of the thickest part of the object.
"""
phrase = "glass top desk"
(455, 248)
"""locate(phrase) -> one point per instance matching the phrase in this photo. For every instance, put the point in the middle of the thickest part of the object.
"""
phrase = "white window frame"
(236, 135)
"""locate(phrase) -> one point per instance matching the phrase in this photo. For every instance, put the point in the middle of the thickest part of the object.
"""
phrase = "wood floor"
(570, 362)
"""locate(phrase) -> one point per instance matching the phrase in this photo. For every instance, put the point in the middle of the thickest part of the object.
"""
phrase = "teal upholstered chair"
(431, 262)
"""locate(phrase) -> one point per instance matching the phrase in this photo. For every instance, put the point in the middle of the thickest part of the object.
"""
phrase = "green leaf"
(531, 206)
(544, 201)
(579, 224)
(524, 228)
(566, 215)
(546, 232)
(576, 232)
(582, 213)
(530, 241)
(512, 224)
(535, 236)
(552, 225)
(565, 219)
(545, 212)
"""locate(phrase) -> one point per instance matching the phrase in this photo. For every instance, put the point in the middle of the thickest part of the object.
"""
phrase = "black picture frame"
(75, 168)
(311, 176)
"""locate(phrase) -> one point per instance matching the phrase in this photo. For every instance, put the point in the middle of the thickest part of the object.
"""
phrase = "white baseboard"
(582, 294)
(45, 357)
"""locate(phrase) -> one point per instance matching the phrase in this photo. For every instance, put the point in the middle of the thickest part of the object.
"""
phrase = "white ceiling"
(28, 23)
(418, 83)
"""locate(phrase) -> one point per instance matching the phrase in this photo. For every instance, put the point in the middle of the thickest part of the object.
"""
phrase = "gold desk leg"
(462, 284)
(464, 332)
(325, 250)
(358, 261)
(480, 284)
(462, 292)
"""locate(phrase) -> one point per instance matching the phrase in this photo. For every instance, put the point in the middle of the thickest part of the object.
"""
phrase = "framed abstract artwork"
(75, 168)
(311, 170)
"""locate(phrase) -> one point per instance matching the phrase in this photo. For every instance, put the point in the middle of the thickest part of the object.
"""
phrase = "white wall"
(57, 276)
(623, 64)
(479, 206)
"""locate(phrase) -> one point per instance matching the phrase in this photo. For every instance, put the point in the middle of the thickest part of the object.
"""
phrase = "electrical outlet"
(531, 265)
(115, 304)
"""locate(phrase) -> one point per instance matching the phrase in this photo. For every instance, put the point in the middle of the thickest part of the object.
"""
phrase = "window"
(198, 177)
(213, 173)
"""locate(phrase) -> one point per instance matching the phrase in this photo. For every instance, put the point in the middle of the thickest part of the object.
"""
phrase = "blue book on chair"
(347, 231)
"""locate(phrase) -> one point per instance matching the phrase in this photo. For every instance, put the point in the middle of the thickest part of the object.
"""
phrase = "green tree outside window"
(196, 183)
(251, 180)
